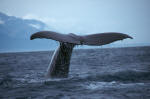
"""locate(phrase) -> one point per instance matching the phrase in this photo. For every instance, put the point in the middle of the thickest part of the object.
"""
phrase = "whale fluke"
(66, 38)
(93, 39)
(59, 65)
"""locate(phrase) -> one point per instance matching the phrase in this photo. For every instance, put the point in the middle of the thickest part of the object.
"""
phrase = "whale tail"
(59, 65)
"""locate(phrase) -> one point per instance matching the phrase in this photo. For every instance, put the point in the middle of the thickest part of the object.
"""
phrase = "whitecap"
(113, 84)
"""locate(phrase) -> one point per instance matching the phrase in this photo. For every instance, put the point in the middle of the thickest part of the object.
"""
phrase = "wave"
(122, 76)
(113, 84)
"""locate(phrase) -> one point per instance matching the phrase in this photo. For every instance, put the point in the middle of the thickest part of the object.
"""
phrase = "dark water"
(114, 73)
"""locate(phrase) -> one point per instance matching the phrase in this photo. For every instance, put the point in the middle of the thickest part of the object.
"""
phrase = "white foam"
(99, 85)
(113, 84)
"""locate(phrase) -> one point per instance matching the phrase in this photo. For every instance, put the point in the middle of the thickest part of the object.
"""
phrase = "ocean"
(101, 73)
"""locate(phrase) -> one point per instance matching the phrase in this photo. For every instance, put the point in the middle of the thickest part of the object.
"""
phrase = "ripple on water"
(113, 84)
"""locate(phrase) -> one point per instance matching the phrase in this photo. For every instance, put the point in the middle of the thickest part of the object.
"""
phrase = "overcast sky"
(87, 16)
